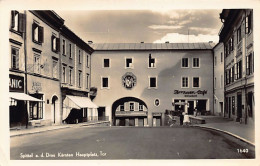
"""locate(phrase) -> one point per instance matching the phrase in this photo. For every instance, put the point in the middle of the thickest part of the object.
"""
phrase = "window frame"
(70, 75)
(17, 57)
(64, 75)
(53, 68)
(182, 82)
(183, 63)
(150, 58)
(79, 56)
(133, 106)
(194, 82)
(108, 84)
(79, 78)
(104, 63)
(197, 64)
(38, 64)
(87, 80)
(40, 33)
(64, 47)
(130, 67)
(156, 82)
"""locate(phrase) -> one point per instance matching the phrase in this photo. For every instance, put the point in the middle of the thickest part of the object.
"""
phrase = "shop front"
(77, 109)
(18, 106)
(189, 101)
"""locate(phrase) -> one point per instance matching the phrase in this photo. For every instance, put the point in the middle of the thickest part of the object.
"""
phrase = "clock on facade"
(129, 80)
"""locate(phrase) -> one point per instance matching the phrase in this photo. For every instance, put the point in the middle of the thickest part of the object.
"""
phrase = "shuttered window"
(55, 42)
(37, 33)
(18, 21)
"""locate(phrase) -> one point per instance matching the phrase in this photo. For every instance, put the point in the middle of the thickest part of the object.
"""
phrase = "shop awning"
(80, 102)
(22, 96)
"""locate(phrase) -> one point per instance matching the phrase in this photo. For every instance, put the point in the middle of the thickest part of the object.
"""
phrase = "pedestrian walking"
(195, 111)
(186, 120)
(181, 118)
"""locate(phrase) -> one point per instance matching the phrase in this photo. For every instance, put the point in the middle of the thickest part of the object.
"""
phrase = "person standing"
(181, 118)
(186, 120)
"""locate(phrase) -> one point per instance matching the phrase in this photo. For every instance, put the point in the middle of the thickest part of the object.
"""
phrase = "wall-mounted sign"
(16, 83)
(36, 86)
(129, 80)
(191, 93)
(156, 102)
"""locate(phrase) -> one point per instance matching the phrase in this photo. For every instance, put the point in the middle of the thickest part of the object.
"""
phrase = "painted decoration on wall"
(129, 80)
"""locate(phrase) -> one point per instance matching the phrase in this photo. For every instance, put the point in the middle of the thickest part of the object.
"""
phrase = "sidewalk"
(34, 130)
(243, 132)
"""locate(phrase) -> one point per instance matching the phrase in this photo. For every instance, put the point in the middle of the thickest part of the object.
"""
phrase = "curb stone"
(226, 132)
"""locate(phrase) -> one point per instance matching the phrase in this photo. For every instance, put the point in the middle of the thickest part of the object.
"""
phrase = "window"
(70, 53)
(221, 82)
(231, 44)
(37, 33)
(14, 58)
(141, 107)
(227, 76)
(105, 82)
(36, 108)
(239, 69)
(226, 50)
(79, 57)
(132, 106)
(250, 64)
(185, 82)
(64, 74)
(151, 62)
(106, 63)
(70, 75)
(63, 47)
(233, 105)
(129, 63)
(87, 81)
(55, 42)
(85, 112)
(36, 63)
(185, 63)
(196, 81)
(87, 60)
(215, 60)
(55, 69)
(122, 108)
(221, 57)
(215, 82)
(152, 82)
(196, 62)
(239, 37)
(232, 74)
(18, 23)
(249, 23)
(79, 77)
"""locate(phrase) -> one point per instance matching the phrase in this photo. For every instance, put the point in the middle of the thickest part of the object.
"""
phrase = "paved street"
(84, 143)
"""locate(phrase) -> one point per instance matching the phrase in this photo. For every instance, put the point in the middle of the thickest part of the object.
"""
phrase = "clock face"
(129, 80)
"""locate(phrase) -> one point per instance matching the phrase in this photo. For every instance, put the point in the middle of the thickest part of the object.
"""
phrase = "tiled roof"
(152, 46)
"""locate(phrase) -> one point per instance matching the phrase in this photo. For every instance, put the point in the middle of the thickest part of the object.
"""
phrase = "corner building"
(137, 83)
(237, 36)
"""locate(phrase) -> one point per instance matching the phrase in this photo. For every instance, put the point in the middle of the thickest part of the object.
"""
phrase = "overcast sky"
(134, 26)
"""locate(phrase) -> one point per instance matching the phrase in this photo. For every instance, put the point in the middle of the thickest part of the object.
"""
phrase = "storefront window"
(36, 108)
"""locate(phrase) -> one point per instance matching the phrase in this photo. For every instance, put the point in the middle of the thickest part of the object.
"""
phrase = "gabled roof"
(151, 46)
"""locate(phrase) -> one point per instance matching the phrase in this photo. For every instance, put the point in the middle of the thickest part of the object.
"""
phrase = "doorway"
(191, 107)
(221, 108)
(239, 106)
(101, 113)
(54, 103)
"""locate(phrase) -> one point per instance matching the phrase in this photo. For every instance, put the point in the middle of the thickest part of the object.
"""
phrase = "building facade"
(49, 68)
(137, 83)
(75, 78)
(237, 36)
(219, 79)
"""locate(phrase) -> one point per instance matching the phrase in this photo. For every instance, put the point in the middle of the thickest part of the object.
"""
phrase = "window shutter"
(33, 28)
(12, 19)
(235, 71)
(136, 105)
(41, 34)
(58, 44)
(247, 65)
(22, 23)
(52, 46)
